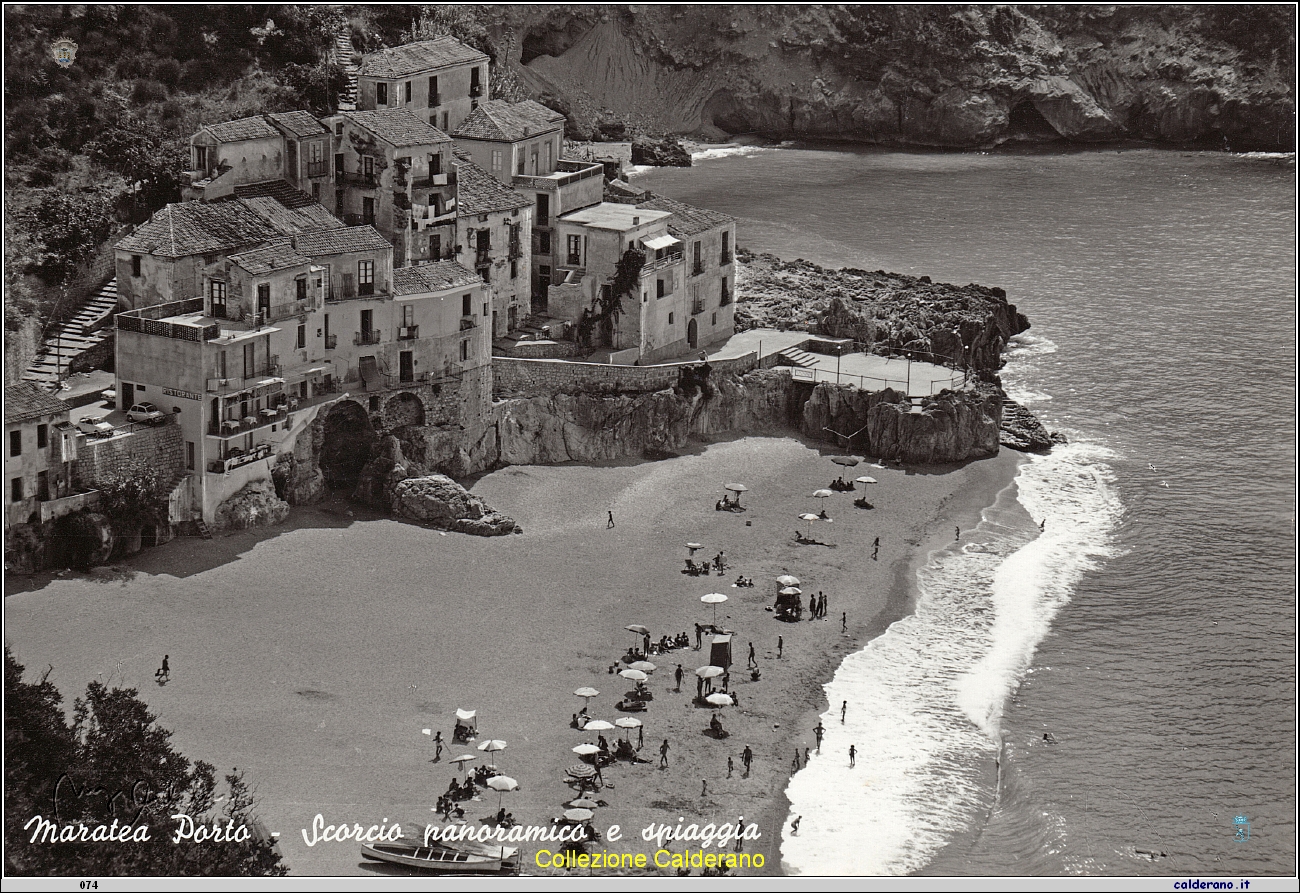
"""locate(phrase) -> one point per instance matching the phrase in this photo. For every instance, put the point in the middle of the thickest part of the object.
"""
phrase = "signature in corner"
(140, 795)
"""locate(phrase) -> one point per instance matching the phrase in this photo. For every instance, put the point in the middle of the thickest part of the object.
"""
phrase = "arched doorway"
(692, 332)
(403, 409)
(348, 443)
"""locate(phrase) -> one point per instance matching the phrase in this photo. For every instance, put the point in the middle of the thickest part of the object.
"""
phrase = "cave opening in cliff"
(349, 441)
(1026, 120)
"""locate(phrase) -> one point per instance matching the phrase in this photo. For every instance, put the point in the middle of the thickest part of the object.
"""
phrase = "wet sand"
(311, 655)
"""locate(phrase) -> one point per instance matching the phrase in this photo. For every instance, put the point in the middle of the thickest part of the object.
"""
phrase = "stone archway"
(348, 444)
(403, 409)
(693, 333)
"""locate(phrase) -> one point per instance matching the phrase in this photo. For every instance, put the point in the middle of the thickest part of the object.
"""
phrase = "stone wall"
(160, 447)
(516, 377)
(544, 350)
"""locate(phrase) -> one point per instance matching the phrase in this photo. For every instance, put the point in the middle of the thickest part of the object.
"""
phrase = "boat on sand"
(465, 857)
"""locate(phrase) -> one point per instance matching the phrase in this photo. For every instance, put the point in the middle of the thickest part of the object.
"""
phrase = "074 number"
(90, 885)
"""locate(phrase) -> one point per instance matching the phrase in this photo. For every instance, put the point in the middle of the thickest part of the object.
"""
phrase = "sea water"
(1147, 629)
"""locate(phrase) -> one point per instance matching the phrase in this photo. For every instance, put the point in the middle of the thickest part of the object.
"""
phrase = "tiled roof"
(500, 120)
(254, 128)
(478, 192)
(399, 127)
(269, 258)
(340, 241)
(188, 228)
(303, 219)
(432, 277)
(298, 123)
(414, 58)
(279, 190)
(686, 220)
(25, 401)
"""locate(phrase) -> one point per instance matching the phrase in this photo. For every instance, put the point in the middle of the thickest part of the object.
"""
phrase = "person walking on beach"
(853, 755)
(600, 781)
(699, 637)
(735, 699)
(678, 674)
(1042, 525)
(780, 645)
(164, 673)
(844, 622)
(731, 767)
(805, 756)
(796, 758)
(437, 743)
(875, 549)
(640, 737)
(699, 687)
(663, 755)
(844, 708)
(704, 787)
(752, 661)
(958, 533)
(794, 826)
(819, 731)
(610, 523)
(747, 757)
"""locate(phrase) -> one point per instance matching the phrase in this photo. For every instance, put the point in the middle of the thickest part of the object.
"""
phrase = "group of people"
(839, 485)
(744, 582)
(727, 503)
(715, 726)
(817, 606)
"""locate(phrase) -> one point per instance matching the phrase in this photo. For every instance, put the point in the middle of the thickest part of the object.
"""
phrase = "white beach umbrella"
(492, 746)
(643, 665)
(822, 494)
(787, 580)
(586, 693)
(628, 722)
(717, 699)
(709, 672)
(597, 725)
(634, 675)
(586, 750)
(715, 599)
(502, 784)
(867, 480)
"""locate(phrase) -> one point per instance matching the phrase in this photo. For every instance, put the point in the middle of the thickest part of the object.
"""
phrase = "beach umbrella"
(715, 599)
(628, 722)
(867, 480)
(846, 461)
(502, 784)
(597, 725)
(584, 803)
(634, 675)
(792, 590)
(694, 547)
(586, 693)
(464, 759)
(637, 628)
(709, 672)
(822, 494)
(492, 746)
(643, 665)
(586, 750)
(581, 770)
(717, 699)
(578, 815)
(737, 489)
(787, 580)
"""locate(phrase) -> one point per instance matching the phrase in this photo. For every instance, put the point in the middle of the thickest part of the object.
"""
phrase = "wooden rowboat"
(467, 857)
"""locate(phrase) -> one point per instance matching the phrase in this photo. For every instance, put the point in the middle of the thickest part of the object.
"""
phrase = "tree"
(317, 86)
(114, 763)
(627, 278)
(134, 495)
(69, 230)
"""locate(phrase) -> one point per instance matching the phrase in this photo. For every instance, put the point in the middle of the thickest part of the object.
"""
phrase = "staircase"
(342, 57)
(202, 527)
(799, 357)
(89, 327)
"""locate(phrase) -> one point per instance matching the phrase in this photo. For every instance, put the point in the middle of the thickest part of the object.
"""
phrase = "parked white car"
(145, 412)
(95, 427)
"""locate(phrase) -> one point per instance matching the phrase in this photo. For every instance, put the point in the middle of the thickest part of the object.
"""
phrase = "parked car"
(95, 427)
(145, 412)
(109, 396)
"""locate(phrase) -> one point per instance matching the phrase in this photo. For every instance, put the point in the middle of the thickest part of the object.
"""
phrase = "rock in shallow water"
(1022, 431)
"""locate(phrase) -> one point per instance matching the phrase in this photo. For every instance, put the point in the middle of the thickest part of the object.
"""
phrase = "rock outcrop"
(256, 505)
(667, 152)
(953, 76)
(1022, 431)
(437, 499)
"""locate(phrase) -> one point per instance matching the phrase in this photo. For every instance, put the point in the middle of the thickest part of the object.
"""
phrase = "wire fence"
(912, 385)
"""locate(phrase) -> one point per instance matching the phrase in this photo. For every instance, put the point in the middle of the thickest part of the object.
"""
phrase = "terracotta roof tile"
(340, 241)
(269, 258)
(298, 123)
(510, 122)
(399, 127)
(188, 228)
(254, 128)
(432, 277)
(478, 192)
(421, 56)
(686, 220)
(25, 401)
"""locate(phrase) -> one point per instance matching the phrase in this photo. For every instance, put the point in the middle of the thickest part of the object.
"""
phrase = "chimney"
(636, 221)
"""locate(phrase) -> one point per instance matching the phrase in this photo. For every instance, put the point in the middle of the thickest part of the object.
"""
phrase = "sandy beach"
(312, 655)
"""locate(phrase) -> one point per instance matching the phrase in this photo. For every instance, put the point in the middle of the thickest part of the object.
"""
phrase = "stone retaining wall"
(517, 377)
(160, 447)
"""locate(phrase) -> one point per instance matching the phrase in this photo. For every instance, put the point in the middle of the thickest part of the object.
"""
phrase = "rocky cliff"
(945, 75)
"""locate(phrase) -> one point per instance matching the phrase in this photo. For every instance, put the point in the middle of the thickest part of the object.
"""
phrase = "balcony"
(236, 457)
(697, 268)
(433, 181)
(567, 172)
(697, 306)
(318, 169)
(475, 89)
(234, 385)
(659, 263)
(164, 321)
(293, 308)
(482, 257)
(408, 333)
(224, 429)
(331, 342)
(371, 337)
(357, 178)
(467, 323)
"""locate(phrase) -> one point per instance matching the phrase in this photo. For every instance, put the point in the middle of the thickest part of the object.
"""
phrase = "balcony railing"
(370, 337)
(468, 322)
(357, 178)
(237, 457)
(228, 385)
(331, 342)
(475, 89)
(697, 306)
(284, 311)
(658, 264)
(228, 428)
(697, 268)
(567, 172)
(150, 321)
(434, 180)
(318, 168)
(408, 333)
(575, 260)
(483, 257)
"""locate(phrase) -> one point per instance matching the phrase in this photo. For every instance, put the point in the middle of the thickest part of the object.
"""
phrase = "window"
(435, 164)
(715, 318)
(514, 269)
(496, 162)
(15, 443)
(464, 355)
(135, 265)
(189, 454)
(300, 288)
(338, 128)
(575, 250)
(42, 436)
(250, 357)
(16, 489)
(485, 309)
(466, 308)
(406, 91)
(520, 164)
(726, 293)
(264, 299)
(486, 273)
(338, 202)
(315, 192)
(433, 91)
(302, 337)
(444, 121)
(543, 209)
(42, 485)
(368, 211)
(366, 277)
(546, 157)
(381, 94)
(670, 319)
(408, 315)
(697, 264)
(435, 247)
(726, 246)
(217, 289)
(368, 168)
(543, 243)
(659, 289)
(221, 364)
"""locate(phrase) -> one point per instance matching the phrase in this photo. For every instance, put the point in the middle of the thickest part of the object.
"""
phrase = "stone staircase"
(342, 57)
(89, 327)
(799, 357)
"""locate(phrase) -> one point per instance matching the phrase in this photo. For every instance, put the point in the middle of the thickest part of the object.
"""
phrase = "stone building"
(40, 457)
(394, 172)
(440, 80)
(494, 224)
